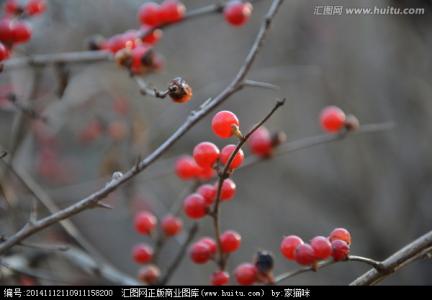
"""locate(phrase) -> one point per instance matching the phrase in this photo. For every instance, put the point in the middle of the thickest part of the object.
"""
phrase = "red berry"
(186, 168)
(260, 142)
(142, 59)
(149, 35)
(149, 14)
(12, 7)
(142, 253)
(4, 52)
(6, 31)
(145, 222)
(226, 154)
(289, 245)
(246, 274)
(305, 255)
(171, 225)
(208, 192)
(332, 119)
(322, 247)
(22, 32)
(237, 12)
(172, 11)
(228, 190)
(149, 274)
(220, 278)
(223, 124)
(340, 234)
(35, 7)
(206, 154)
(205, 174)
(195, 206)
(230, 241)
(340, 250)
(200, 253)
(209, 242)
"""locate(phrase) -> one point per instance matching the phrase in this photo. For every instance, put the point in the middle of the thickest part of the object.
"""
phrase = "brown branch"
(235, 85)
(225, 174)
(398, 260)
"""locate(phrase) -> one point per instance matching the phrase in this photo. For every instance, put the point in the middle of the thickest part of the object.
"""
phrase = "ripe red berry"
(195, 206)
(305, 254)
(6, 31)
(200, 253)
(228, 190)
(289, 245)
(209, 242)
(145, 222)
(260, 142)
(171, 225)
(332, 119)
(142, 59)
(12, 7)
(186, 168)
(322, 247)
(35, 7)
(206, 154)
(4, 53)
(219, 278)
(149, 14)
(246, 274)
(149, 35)
(226, 154)
(22, 32)
(230, 241)
(205, 174)
(340, 234)
(223, 124)
(208, 192)
(340, 250)
(149, 274)
(172, 11)
(142, 253)
(237, 12)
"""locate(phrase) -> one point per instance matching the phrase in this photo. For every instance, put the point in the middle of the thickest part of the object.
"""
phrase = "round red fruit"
(200, 253)
(209, 242)
(35, 7)
(260, 142)
(246, 274)
(149, 14)
(340, 234)
(6, 31)
(206, 174)
(172, 11)
(322, 247)
(208, 192)
(219, 278)
(332, 119)
(22, 32)
(12, 7)
(224, 123)
(206, 154)
(305, 255)
(340, 250)
(230, 241)
(237, 13)
(228, 190)
(171, 225)
(145, 222)
(186, 168)
(142, 59)
(142, 253)
(226, 154)
(149, 274)
(195, 206)
(149, 35)
(289, 245)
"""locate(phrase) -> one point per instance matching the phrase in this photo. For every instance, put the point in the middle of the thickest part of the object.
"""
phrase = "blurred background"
(377, 185)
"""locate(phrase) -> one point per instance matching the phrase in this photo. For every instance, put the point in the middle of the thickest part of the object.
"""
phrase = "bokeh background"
(377, 185)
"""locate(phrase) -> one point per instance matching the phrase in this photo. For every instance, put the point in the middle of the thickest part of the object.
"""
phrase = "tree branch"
(90, 201)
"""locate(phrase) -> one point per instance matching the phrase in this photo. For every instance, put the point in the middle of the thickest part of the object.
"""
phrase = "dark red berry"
(237, 12)
(332, 119)
(195, 206)
(142, 253)
(219, 278)
(171, 225)
(340, 250)
(6, 31)
(186, 168)
(289, 245)
(208, 192)
(145, 222)
(246, 274)
(322, 247)
(224, 123)
(226, 154)
(149, 274)
(206, 154)
(200, 253)
(22, 32)
(230, 241)
(340, 234)
(305, 255)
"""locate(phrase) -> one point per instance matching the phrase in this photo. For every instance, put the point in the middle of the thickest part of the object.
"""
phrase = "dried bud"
(352, 123)
(123, 57)
(278, 138)
(179, 90)
(94, 43)
(264, 262)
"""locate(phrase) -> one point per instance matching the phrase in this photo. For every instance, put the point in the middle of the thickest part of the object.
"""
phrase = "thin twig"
(261, 84)
(195, 117)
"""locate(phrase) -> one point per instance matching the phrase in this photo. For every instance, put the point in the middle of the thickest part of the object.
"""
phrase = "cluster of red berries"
(336, 245)
(333, 120)
(145, 223)
(13, 30)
